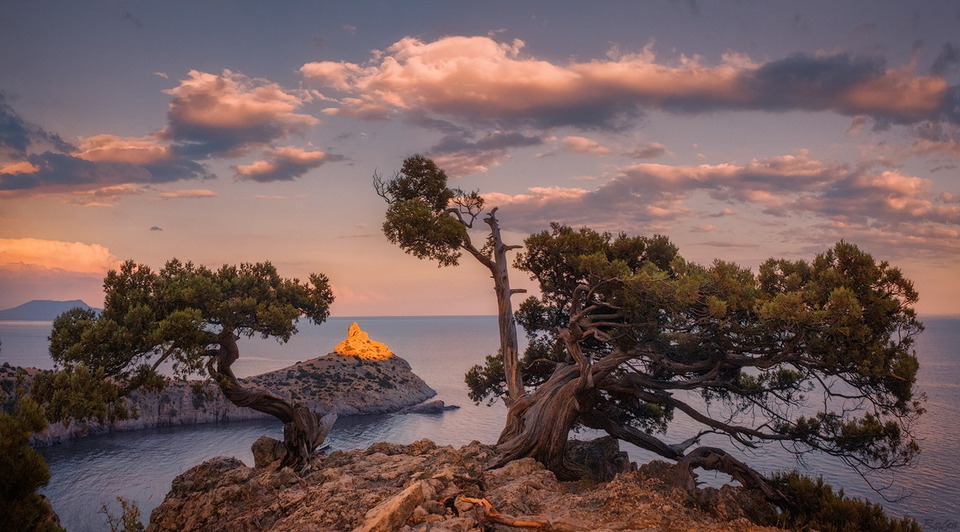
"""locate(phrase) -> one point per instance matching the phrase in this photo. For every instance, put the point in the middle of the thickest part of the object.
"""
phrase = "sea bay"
(139, 465)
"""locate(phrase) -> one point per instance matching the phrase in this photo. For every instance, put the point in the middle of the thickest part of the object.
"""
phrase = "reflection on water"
(140, 465)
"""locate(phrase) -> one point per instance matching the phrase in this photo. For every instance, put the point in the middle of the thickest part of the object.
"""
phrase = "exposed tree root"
(487, 514)
(716, 459)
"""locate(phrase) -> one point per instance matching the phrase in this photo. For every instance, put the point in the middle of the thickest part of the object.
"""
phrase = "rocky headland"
(425, 487)
(360, 376)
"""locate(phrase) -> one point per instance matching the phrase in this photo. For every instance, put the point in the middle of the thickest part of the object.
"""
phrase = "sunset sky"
(242, 131)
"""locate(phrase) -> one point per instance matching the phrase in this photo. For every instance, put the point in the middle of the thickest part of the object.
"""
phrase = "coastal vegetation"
(24, 469)
(627, 334)
(624, 337)
(430, 221)
(188, 319)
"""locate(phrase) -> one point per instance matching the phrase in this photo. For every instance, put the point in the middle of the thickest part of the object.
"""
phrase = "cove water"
(91, 472)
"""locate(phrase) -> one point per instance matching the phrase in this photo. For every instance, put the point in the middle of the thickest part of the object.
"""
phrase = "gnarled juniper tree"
(626, 333)
(190, 317)
(815, 356)
(430, 221)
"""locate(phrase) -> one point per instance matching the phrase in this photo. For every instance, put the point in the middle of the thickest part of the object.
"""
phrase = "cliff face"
(421, 486)
(341, 384)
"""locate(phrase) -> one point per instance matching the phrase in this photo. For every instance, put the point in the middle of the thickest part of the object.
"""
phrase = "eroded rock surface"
(359, 344)
(423, 487)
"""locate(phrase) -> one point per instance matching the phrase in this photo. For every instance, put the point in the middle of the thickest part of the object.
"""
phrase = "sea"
(89, 474)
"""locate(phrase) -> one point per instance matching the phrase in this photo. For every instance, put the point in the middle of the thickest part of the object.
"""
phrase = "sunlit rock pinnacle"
(359, 344)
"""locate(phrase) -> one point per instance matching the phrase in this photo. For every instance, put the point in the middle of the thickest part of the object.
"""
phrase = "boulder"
(601, 458)
(267, 450)
(430, 407)
(392, 513)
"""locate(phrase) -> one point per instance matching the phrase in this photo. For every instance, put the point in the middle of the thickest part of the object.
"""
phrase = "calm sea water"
(89, 473)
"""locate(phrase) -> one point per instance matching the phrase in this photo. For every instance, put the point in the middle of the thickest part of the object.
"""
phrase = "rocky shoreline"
(360, 377)
(334, 383)
(425, 487)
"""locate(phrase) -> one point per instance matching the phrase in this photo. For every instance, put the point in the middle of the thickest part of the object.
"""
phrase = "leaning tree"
(429, 220)
(815, 356)
(188, 319)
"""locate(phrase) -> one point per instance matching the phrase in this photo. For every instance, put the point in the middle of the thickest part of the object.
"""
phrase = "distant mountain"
(40, 310)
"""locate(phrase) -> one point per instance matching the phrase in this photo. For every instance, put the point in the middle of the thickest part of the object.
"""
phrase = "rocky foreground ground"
(424, 487)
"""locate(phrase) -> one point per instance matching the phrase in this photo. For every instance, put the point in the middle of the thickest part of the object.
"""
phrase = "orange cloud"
(75, 257)
(20, 167)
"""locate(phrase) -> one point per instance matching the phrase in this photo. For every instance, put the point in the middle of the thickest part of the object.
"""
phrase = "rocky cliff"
(364, 381)
(422, 486)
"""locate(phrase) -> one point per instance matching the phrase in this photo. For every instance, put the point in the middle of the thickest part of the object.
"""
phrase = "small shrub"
(813, 505)
(129, 521)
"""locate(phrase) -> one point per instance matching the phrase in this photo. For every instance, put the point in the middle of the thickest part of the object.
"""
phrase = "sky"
(223, 132)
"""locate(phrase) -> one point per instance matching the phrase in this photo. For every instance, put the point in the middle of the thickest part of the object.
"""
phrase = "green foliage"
(813, 505)
(171, 316)
(424, 217)
(820, 353)
(128, 521)
(24, 469)
(486, 381)
(80, 393)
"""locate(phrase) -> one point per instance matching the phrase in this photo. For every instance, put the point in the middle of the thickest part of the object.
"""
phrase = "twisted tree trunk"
(303, 430)
(716, 459)
(538, 424)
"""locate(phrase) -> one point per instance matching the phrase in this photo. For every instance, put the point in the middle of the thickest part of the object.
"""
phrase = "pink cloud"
(283, 164)
(111, 148)
(648, 151)
(949, 148)
(649, 197)
(479, 78)
(188, 194)
(105, 196)
(898, 92)
(461, 163)
(584, 145)
(230, 113)
(459, 154)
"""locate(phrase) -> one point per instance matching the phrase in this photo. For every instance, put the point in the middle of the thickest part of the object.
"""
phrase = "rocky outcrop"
(359, 344)
(421, 487)
(365, 382)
